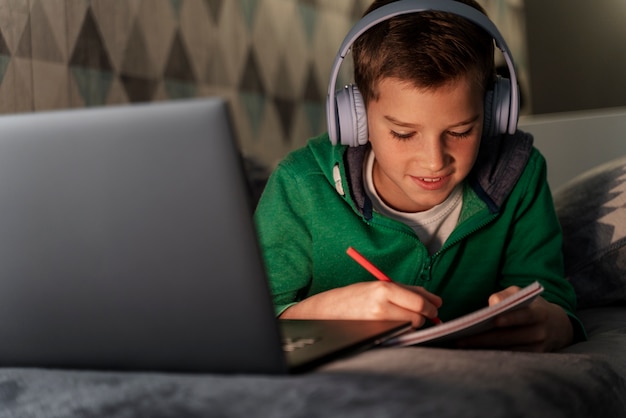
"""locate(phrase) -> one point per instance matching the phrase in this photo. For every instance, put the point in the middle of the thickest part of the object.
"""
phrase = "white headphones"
(345, 111)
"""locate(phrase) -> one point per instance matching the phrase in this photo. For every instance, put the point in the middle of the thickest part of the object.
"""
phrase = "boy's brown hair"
(428, 49)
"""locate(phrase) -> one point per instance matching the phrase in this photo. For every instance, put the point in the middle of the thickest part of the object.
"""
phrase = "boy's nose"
(433, 156)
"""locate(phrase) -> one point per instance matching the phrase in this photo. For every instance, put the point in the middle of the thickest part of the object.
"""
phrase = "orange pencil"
(367, 265)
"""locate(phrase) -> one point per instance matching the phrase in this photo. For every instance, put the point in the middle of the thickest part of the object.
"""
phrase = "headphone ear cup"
(488, 118)
(351, 117)
(497, 108)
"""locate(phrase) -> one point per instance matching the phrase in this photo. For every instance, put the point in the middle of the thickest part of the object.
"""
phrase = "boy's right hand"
(369, 300)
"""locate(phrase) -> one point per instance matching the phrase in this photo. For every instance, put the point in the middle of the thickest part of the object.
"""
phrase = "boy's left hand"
(542, 326)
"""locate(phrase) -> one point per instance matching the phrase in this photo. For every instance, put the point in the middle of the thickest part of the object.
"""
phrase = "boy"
(456, 218)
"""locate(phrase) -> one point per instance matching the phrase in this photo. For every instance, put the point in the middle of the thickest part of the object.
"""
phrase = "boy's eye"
(461, 135)
(402, 136)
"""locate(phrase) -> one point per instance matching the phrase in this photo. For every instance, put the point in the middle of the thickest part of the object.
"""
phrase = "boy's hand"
(541, 326)
(369, 300)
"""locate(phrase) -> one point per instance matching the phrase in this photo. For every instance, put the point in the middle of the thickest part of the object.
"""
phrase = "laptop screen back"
(126, 242)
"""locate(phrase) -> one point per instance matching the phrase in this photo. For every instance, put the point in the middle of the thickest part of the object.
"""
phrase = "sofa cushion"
(592, 212)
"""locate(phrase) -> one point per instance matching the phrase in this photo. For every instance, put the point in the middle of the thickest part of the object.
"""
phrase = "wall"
(577, 54)
(269, 58)
(574, 142)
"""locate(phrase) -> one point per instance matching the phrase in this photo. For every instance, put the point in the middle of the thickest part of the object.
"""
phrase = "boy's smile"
(425, 142)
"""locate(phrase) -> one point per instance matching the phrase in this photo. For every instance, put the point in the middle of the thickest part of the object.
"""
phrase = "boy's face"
(425, 141)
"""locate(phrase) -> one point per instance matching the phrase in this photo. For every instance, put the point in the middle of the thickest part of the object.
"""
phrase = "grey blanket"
(585, 380)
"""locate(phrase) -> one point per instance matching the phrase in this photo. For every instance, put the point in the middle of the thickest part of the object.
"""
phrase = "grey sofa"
(587, 379)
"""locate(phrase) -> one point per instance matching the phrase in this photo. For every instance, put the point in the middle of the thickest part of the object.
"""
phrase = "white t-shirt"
(432, 226)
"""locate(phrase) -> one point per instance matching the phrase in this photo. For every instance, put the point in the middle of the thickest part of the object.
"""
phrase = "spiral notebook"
(473, 323)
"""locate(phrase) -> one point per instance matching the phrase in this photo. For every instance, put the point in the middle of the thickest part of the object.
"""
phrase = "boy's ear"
(351, 127)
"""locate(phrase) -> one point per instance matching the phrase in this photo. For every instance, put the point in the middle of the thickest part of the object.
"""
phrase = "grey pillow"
(592, 212)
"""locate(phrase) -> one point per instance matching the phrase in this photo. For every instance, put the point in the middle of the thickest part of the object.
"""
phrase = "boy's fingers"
(415, 299)
(432, 298)
(499, 296)
(396, 312)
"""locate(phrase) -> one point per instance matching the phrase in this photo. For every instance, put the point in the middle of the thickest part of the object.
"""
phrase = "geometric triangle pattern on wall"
(93, 84)
(89, 49)
(264, 56)
(5, 57)
(215, 8)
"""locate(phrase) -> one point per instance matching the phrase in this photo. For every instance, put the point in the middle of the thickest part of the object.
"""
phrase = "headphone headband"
(402, 7)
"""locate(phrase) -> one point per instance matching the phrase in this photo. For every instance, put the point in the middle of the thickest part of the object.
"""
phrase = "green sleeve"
(534, 242)
(284, 236)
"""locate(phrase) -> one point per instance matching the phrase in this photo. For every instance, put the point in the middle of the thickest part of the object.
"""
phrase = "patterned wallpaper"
(269, 58)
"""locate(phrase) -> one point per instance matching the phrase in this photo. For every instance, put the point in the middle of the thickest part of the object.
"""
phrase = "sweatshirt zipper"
(426, 273)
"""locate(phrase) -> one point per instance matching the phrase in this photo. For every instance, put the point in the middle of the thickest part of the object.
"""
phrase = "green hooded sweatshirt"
(314, 207)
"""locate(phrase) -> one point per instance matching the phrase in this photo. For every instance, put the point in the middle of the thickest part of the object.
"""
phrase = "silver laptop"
(127, 242)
